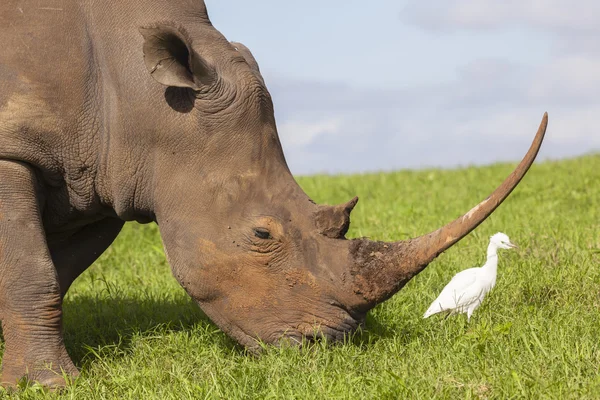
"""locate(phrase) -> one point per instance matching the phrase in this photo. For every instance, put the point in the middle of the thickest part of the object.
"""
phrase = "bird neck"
(492, 257)
(492, 251)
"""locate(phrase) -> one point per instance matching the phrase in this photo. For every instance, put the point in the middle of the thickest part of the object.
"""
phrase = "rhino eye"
(262, 233)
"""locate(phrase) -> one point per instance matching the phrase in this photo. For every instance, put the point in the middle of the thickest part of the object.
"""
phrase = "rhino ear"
(171, 60)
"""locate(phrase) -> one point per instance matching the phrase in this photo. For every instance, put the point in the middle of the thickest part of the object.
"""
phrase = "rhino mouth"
(302, 334)
(321, 329)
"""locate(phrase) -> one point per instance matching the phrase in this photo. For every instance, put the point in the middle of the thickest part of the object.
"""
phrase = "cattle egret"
(465, 292)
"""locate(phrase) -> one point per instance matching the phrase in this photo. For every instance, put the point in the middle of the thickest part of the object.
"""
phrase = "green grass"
(135, 333)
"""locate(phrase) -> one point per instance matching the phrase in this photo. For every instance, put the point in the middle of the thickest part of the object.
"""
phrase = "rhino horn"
(334, 221)
(380, 269)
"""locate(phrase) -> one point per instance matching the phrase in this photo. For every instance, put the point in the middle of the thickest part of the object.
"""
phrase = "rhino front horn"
(380, 269)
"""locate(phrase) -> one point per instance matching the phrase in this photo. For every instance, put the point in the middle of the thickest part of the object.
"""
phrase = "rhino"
(143, 111)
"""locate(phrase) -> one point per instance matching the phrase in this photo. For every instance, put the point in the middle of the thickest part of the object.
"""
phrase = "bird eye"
(262, 233)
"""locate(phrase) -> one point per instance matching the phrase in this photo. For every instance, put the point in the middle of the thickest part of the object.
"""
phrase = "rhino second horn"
(334, 221)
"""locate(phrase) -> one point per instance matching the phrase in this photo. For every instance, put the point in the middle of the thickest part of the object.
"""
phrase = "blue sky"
(386, 85)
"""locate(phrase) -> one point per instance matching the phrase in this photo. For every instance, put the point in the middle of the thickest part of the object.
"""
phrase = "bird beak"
(513, 246)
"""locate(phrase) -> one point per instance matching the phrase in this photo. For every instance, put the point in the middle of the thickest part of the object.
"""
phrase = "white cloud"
(568, 79)
(489, 112)
(578, 124)
(569, 15)
(295, 134)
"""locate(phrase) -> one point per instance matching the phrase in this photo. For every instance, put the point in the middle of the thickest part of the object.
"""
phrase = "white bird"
(465, 292)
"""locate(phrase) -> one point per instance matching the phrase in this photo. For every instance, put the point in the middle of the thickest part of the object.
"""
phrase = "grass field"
(135, 333)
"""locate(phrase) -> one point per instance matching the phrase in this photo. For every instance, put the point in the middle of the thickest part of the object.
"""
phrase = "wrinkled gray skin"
(141, 110)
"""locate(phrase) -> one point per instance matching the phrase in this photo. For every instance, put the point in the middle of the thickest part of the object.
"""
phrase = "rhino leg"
(30, 300)
(74, 253)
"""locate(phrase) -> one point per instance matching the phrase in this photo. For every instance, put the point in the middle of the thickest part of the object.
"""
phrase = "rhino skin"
(142, 111)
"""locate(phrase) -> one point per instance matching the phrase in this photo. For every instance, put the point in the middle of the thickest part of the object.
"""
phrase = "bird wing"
(463, 278)
(458, 293)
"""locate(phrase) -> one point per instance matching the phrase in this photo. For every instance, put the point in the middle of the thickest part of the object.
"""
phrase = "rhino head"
(260, 258)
